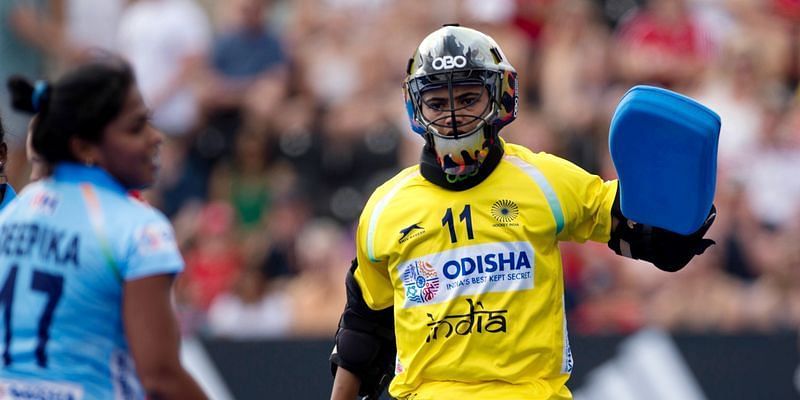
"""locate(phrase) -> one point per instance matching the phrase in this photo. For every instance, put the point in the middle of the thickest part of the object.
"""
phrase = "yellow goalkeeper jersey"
(475, 276)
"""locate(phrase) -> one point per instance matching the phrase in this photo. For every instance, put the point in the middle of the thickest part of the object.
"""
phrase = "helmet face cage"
(450, 57)
(450, 108)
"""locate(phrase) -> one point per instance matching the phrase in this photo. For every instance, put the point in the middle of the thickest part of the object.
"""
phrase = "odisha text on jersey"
(486, 263)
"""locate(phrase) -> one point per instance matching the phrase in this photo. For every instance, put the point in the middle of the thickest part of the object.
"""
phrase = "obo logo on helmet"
(449, 62)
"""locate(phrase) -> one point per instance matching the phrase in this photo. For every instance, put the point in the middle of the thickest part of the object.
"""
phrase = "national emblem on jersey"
(421, 282)
(505, 211)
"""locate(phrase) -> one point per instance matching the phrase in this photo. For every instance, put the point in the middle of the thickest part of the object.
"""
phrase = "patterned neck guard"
(432, 171)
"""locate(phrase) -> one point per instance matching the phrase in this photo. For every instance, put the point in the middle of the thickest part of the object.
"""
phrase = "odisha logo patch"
(505, 211)
(421, 282)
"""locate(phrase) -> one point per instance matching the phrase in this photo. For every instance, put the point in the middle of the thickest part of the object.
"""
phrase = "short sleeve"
(586, 201)
(372, 250)
(153, 250)
(372, 275)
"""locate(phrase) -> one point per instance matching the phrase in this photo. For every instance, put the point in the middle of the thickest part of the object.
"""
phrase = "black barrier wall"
(725, 367)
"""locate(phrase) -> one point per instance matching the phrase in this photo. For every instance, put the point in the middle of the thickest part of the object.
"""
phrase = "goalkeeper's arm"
(345, 385)
(667, 250)
(365, 347)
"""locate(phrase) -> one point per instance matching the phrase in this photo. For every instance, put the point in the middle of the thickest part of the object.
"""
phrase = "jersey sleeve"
(152, 249)
(372, 273)
(586, 201)
(372, 249)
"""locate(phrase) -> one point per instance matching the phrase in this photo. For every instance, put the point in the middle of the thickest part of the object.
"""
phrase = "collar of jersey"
(78, 173)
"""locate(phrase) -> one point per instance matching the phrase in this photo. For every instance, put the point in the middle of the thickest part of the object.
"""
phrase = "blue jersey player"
(86, 270)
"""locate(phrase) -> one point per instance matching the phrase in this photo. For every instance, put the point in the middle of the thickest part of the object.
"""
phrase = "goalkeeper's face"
(456, 110)
(456, 118)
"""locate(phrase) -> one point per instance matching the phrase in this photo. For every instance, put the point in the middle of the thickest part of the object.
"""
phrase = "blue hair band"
(38, 92)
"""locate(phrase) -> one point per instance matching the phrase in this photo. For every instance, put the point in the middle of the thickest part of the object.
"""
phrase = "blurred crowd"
(282, 116)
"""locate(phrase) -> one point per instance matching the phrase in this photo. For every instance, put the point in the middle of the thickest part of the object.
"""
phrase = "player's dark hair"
(80, 104)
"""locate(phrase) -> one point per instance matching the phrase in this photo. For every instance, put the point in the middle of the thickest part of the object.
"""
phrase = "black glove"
(669, 251)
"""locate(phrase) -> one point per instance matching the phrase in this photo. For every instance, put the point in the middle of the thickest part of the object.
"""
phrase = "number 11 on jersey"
(465, 217)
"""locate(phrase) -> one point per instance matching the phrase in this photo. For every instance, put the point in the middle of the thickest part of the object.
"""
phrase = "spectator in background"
(167, 42)
(699, 299)
(769, 173)
(530, 18)
(26, 38)
(88, 25)
(67, 31)
(758, 22)
(337, 54)
(213, 258)
(574, 75)
(735, 89)
(789, 10)
(244, 52)
(251, 179)
(663, 44)
(290, 215)
(608, 290)
(257, 307)
(247, 73)
(773, 299)
(747, 87)
(244, 182)
(358, 147)
(316, 293)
